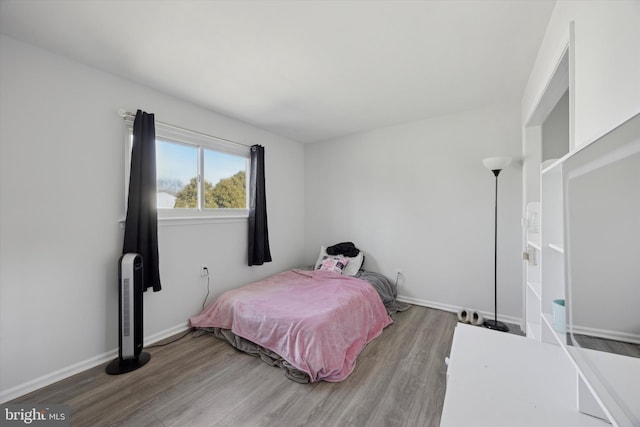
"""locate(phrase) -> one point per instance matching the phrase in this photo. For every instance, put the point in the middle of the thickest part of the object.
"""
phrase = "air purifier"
(130, 334)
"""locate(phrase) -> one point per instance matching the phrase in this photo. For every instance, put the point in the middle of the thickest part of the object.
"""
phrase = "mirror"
(601, 189)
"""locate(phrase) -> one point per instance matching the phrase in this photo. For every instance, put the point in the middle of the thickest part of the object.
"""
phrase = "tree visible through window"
(227, 174)
(227, 193)
(198, 175)
(178, 184)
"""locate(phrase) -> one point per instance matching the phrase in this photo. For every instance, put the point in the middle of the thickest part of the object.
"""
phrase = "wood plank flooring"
(606, 345)
(399, 380)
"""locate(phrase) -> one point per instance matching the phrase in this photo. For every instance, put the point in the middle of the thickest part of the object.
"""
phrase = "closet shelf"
(550, 166)
(557, 247)
(561, 338)
(534, 242)
(535, 288)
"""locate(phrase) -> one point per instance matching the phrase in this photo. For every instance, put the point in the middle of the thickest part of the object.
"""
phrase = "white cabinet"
(552, 286)
(544, 270)
(532, 270)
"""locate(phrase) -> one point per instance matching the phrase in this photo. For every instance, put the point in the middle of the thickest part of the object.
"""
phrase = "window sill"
(195, 220)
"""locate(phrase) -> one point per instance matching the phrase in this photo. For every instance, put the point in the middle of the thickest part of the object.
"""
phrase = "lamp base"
(496, 325)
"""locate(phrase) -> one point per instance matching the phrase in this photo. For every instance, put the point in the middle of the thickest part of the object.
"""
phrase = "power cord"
(196, 333)
(206, 296)
(172, 341)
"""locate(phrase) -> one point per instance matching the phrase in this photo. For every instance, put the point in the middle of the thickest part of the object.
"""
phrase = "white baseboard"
(76, 368)
(60, 374)
(152, 339)
(455, 309)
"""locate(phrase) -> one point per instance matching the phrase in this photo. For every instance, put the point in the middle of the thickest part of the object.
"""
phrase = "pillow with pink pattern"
(333, 263)
(354, 264)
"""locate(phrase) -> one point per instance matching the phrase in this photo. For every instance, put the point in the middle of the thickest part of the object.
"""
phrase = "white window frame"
(200, 141)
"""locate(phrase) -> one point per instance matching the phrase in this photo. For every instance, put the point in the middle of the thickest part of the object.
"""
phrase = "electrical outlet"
(204, 271)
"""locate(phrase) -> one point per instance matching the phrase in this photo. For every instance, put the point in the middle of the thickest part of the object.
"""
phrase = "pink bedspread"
(318, 321)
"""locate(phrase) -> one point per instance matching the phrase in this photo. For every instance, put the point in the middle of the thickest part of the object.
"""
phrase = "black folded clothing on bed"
(344, 248)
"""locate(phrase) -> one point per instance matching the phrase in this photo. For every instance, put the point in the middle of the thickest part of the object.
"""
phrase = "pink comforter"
(318, 321)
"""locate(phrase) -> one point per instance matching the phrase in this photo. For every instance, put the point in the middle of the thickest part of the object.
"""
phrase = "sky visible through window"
(221, 165)
(179, 162)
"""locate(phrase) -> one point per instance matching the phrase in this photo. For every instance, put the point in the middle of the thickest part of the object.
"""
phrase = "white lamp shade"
(496, 163)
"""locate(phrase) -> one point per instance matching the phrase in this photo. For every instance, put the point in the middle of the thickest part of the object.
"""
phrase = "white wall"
(62, 191)
(416, 196)
(606, 64)
(555, 131)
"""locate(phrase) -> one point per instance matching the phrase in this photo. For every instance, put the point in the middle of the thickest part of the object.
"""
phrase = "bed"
(311, 323)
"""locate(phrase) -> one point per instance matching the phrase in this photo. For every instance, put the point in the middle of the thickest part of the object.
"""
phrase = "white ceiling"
(307, 70)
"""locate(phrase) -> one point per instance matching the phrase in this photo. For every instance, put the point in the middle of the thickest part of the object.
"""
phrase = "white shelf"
(533, 299)
(560, 337)
(550, 166)
(551, 256)
(556, 247)
(535, 242)
(535, 288)
(533, 331)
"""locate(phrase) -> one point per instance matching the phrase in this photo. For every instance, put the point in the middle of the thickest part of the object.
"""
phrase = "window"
(176, 175)
(198, 176)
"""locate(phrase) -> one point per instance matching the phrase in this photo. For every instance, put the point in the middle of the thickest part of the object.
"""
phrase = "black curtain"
(259, 252)
(141, 226)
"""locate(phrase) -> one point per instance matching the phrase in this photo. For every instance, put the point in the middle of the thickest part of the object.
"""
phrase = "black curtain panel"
(259, 252)
(141, 226)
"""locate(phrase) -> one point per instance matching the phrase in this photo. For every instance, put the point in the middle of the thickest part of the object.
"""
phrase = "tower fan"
(130, 354)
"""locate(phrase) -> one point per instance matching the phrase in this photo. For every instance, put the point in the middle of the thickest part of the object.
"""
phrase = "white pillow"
(352, 268)
(335, 263)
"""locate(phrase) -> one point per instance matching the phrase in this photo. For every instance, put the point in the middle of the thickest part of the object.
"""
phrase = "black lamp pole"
(494, 324)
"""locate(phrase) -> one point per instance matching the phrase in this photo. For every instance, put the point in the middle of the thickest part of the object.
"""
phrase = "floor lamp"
(495, 165)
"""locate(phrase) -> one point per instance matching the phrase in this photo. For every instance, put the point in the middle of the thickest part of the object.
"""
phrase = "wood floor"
(399, 380)
(606, 345)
